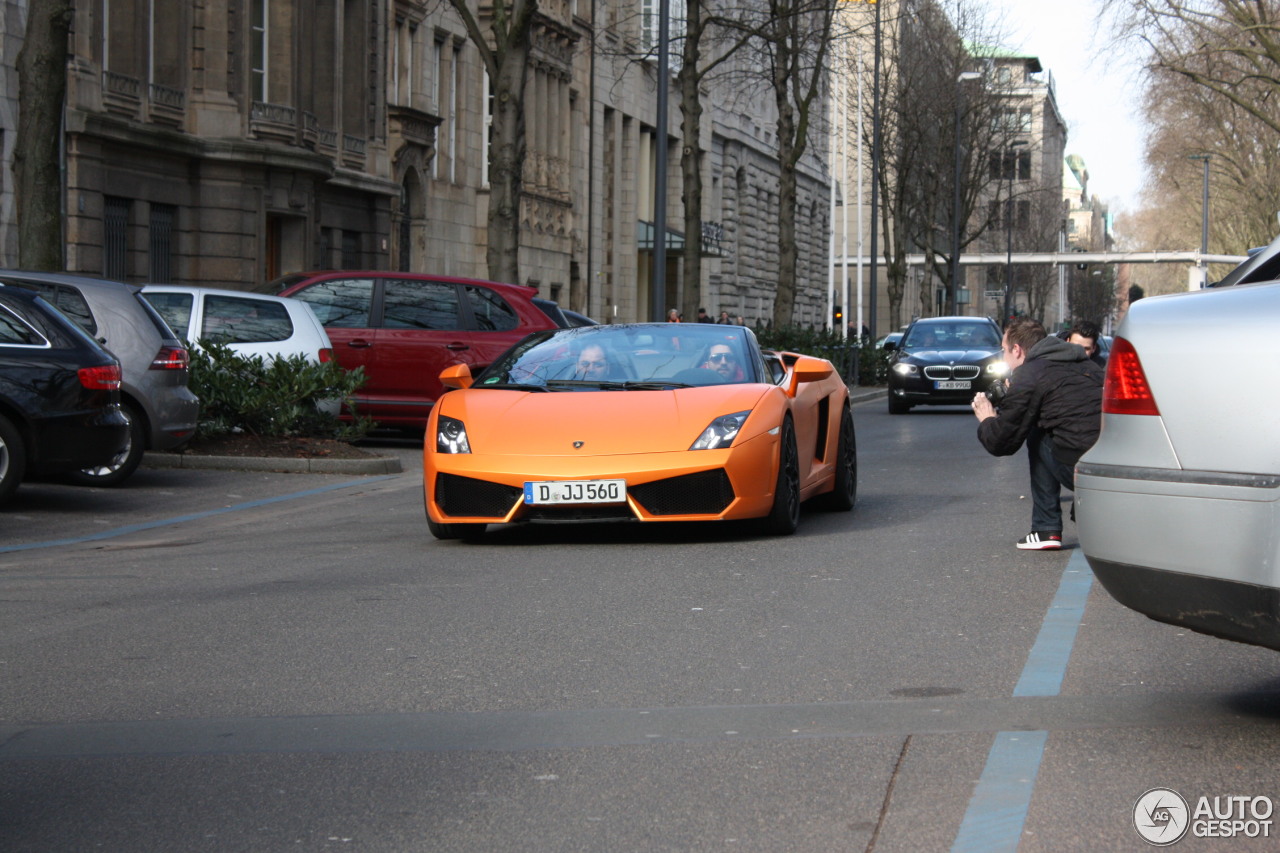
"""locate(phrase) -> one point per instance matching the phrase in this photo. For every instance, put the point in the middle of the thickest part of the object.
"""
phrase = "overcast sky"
(1097, 95)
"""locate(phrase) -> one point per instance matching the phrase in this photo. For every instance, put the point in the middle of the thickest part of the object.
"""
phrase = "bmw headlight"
(998, 369)
(451, 436)
(902, 368)
(721, 432)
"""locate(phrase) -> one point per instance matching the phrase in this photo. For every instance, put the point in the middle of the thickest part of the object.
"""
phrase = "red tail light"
(1126, 391)
(104, 378)
(171, 358)
(326, 355)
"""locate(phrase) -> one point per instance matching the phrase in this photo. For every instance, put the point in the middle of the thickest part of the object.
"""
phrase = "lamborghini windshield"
(647, 356)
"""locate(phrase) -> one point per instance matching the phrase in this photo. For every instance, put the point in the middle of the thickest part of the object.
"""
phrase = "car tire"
(844, 490)
(896, 406)
(784, 518)
(455, 531)
(13, 459)
(125, 462)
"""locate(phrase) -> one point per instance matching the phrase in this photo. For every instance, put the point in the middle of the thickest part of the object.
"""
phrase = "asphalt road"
(222, 661)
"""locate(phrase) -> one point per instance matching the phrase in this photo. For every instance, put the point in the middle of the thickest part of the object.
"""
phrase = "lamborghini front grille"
(464, 496)
(704, 493)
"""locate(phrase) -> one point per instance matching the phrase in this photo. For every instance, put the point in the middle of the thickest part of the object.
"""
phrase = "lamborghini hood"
(606, 422)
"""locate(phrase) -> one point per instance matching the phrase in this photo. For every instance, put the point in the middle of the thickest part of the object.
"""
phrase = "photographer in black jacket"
(1054, 405)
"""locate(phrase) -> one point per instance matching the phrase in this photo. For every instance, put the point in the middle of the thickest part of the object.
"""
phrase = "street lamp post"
(1204, 218)
(1008, 228)
(954, 284)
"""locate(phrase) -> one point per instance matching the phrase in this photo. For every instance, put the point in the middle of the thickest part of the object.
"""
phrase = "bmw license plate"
(575, 492)
(953, 385)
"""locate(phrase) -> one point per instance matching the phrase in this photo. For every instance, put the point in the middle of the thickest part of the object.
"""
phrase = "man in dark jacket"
(1054, 405)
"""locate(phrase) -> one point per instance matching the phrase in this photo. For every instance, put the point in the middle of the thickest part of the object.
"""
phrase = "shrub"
(848, 356)
(279, 398)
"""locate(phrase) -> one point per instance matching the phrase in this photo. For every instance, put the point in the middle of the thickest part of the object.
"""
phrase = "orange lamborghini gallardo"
(644, 422)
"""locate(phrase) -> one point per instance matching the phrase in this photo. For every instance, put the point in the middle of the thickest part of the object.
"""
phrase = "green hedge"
(871, 364)
(277, 399)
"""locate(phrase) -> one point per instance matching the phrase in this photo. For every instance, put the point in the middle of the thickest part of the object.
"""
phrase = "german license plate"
(953, 385)
(575, 492)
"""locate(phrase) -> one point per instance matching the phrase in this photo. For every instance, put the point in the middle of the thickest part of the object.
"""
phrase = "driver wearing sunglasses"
(722, 360)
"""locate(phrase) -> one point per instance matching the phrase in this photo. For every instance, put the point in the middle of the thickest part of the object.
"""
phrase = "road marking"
(998, 808)
(166, 522)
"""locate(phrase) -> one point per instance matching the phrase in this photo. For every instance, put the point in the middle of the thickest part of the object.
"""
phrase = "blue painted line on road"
(998, 808)
(196, 516)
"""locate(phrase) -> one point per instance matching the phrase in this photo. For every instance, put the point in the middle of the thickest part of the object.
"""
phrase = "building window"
(650, 21)
(488, 129)
(455, 88)
(1009, 164)
(258, 36)
(351, 250)
(115, 237)
(403, 62)
(437, 66)
(161, 229)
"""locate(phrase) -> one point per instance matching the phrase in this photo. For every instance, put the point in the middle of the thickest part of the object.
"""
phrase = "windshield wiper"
(510, 386)
(652, 385)
(630, 385)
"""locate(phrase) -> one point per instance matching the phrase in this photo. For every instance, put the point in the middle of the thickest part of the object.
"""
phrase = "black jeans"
(1048, 477)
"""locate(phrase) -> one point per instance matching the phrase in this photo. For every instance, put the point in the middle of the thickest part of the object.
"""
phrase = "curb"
(863, 393)
(374, 465)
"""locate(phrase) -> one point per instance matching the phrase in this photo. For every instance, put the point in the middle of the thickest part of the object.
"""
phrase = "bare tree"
(1244, 165)
(42, 86)
(926, 104)
(796, 40)
(1229, 47)
(709, 40)
(504, 45)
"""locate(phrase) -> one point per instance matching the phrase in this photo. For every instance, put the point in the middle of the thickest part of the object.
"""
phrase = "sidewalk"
(372, 465)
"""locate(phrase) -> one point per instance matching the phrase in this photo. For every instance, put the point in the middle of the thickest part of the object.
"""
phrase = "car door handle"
(456, 346)
(359, 343)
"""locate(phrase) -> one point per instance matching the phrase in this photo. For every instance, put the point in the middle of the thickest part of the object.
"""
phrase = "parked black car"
(59, 394)
(154, 393)
(944, 361)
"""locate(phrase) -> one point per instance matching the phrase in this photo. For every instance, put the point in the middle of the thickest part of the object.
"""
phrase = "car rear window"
(68, 300)
(14, 332)
(425, 305)
(161, 327)
(491, 311)
(239, 320)
(175, 308)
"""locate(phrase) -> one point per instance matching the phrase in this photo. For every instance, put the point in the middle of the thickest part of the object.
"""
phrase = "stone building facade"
(229, 142)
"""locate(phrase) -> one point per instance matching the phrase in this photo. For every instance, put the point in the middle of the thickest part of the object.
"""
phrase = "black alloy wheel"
(844, 491)
(784, 518)
(13, 458)
(122, 466)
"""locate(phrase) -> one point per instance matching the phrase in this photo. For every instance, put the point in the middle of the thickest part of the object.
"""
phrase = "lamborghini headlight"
(451, 436)
(721, 432)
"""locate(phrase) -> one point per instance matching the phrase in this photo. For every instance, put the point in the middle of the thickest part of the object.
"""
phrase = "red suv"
(404, 328)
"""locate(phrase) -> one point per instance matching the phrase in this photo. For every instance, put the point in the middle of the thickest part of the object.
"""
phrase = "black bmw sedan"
(944, 361)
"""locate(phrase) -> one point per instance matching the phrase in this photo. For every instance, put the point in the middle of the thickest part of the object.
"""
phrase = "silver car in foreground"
(1178, 503)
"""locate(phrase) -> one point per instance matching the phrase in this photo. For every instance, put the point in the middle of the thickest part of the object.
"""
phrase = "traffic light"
(837, 316)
